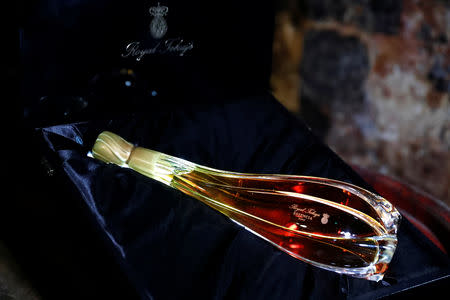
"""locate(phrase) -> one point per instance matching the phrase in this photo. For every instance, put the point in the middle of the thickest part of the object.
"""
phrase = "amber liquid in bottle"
(328, 223)
(277, 210)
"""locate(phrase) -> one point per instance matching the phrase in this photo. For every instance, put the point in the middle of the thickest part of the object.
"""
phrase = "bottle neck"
(157, 165)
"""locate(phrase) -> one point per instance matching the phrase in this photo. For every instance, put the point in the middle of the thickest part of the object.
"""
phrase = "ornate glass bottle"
(327, 223)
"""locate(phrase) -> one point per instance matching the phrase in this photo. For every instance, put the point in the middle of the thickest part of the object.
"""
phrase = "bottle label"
(306, 214)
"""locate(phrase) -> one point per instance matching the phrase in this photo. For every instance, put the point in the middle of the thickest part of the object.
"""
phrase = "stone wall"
(372, 78)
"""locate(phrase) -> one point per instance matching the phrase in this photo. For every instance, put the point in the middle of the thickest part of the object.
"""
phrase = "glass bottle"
(327, 223)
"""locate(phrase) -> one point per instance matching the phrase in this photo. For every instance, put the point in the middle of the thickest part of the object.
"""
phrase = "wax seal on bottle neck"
(111, 148)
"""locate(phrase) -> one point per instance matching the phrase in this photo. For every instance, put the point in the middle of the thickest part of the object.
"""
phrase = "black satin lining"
(175, 247)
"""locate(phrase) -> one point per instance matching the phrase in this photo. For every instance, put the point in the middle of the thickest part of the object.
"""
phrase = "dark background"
(64, 65)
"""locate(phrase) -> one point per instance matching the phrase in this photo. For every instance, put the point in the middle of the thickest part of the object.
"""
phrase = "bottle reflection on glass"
(328, 223)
